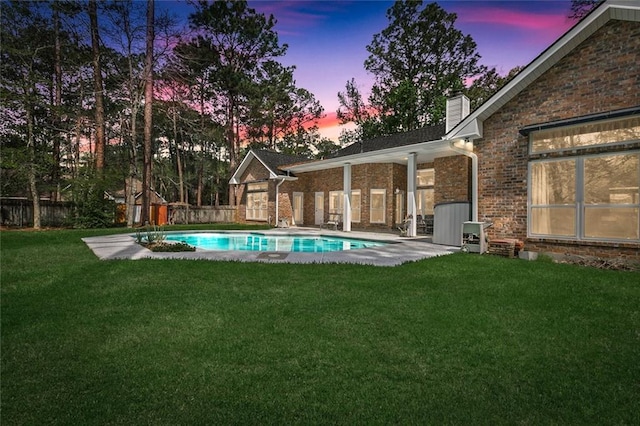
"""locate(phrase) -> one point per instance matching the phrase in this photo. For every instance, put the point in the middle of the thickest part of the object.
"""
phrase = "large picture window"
(593, 197)
(378, 205)
(257, 201)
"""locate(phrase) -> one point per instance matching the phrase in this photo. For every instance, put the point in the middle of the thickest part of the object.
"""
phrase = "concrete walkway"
(401, 249)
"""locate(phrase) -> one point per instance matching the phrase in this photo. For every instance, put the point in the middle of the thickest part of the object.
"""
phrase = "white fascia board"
(613, 9)
(389, 155)
(235, 178)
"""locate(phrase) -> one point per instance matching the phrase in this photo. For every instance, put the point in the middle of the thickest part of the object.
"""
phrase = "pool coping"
(404, 249)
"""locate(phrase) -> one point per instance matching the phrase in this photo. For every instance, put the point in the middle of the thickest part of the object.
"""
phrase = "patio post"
(412, 164)
(346, 205)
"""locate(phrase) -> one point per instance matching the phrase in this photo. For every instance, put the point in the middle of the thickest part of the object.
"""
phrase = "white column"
(412, 164)
(346, 205)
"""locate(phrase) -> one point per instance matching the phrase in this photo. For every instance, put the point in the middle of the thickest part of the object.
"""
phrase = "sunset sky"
(327, 39)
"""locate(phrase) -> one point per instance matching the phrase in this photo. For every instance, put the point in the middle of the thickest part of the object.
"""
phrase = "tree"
(580, 8)
(148, 113)
(98, 87)
(26, 69)
(487, 84)
(236, 40)
(417, 61)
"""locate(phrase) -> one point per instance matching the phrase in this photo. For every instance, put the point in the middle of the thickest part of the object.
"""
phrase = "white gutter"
(280, 182)
(468, 152)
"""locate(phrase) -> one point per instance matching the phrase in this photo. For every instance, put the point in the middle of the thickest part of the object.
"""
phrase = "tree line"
(98, 95)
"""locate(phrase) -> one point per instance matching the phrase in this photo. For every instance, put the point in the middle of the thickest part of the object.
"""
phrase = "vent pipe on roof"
(457, 108)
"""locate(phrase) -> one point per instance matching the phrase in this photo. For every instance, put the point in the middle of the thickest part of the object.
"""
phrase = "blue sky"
(327, 39)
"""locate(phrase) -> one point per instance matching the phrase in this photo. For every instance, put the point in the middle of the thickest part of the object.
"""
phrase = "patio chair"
(334, 221)
(404, 227)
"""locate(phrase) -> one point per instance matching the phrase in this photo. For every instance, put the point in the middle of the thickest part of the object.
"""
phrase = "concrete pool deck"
(402, 249)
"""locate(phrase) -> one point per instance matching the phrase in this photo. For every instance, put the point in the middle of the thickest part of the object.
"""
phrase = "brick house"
(552, 159)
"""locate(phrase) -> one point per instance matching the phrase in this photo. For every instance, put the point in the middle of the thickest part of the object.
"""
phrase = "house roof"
(472, 126)
(426, 143)
(424, 134)
(271, 160)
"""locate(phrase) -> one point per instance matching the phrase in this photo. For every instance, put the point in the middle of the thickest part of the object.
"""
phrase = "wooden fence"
(19, 212)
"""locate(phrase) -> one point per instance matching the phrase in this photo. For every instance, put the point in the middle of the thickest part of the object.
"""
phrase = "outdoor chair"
(404, 226)
(334, 221)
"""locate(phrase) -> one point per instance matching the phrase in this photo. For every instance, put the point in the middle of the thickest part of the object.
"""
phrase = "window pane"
(425, 177)
(613, 223)
(612, 179)
(559, 221)
(377, 205)
(258, 186)
(553, 182)
(399, 207)
(257, 206)
(424, 201)
(335, 202)
(355, 206)
(607, 132)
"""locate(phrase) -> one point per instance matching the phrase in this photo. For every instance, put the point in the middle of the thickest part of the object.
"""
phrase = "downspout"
(468, 152)
(278, 198)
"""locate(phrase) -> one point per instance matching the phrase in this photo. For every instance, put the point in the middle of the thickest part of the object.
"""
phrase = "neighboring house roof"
(119, 196)
(472, 126)
(271, 160)
(424, 134)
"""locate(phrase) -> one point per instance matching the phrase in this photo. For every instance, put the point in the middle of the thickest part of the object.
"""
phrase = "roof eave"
(396, 154)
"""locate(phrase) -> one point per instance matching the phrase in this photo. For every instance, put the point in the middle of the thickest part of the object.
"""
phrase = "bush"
(169, 247)
(91, 208)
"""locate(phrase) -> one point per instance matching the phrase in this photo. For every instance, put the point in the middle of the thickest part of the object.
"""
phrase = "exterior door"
(319, 206)
(297, 208)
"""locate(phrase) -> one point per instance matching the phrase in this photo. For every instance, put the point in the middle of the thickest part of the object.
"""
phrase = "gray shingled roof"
(425, 134)
(273, 160)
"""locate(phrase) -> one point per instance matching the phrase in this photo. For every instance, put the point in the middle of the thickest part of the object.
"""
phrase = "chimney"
(457, 110)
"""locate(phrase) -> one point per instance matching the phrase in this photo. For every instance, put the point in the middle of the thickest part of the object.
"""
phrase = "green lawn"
(453, 340)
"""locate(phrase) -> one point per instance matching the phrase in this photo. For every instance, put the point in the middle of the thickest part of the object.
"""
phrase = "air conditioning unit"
(473, 237)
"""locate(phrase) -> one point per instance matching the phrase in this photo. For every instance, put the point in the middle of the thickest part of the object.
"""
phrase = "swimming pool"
(223, 241)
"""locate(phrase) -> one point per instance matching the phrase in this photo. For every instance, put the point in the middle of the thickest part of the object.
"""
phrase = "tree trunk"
(178, 157)
(31, 171)
(55, 174)
(148, 113)
(98, 88)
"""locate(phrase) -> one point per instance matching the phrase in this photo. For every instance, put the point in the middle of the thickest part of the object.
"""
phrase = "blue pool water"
(261, 242)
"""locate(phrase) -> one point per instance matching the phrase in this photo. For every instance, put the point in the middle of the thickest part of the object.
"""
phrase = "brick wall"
(601, 74)
(452, 181)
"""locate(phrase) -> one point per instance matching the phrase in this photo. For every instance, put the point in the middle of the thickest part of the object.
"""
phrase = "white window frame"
(377, 192)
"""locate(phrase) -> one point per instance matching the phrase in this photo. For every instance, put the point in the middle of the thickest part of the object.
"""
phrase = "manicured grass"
(454, 340)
